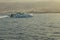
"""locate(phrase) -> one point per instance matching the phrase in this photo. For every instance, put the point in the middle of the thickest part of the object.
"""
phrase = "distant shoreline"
(30, 12)
(43, 12)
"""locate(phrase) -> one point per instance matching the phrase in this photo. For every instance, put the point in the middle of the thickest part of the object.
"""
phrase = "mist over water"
(39, 27)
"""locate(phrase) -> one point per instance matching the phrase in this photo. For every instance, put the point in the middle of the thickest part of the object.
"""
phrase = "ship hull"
(21, 16)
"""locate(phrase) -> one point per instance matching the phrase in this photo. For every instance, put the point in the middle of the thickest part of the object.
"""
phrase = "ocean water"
(39, 27)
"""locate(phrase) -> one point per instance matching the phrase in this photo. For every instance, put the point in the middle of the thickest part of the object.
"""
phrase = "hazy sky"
(26, 0)
(19, 0)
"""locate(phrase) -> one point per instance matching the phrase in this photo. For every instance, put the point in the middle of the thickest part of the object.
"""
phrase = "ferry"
(21, 15)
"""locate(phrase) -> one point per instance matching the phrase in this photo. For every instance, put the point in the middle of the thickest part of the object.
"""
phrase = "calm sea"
(39, 27)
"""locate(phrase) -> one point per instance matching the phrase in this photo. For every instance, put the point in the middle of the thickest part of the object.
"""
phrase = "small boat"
(21, 15)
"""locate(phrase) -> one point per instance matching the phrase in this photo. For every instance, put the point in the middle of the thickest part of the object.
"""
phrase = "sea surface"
(39, 27)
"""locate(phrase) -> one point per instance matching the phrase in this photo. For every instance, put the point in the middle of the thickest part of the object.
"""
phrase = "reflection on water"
(39, 27)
